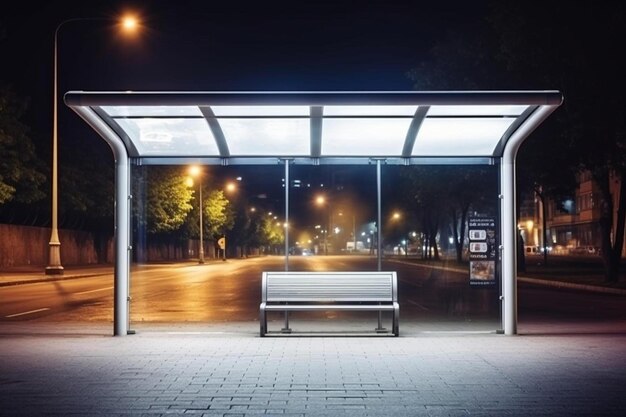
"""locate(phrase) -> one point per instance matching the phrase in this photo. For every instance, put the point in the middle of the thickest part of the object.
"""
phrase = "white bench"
(321, 291)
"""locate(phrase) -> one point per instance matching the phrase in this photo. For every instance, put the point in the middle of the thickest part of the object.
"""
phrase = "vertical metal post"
(509, 245)
(354, 232)
(286, 226)
(379, 235)
(122, 220)
(508, 217)
(201, 247)
(122, 247)
(54, 247)
(286, 328)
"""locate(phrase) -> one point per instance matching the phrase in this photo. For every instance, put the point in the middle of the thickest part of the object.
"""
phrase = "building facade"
(573, 225)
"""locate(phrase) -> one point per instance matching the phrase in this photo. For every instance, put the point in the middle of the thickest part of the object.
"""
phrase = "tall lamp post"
(321, 201)
(128, 24)
(196, 172)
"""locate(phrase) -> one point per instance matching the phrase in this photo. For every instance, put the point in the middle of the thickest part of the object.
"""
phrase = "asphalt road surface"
(231, 292)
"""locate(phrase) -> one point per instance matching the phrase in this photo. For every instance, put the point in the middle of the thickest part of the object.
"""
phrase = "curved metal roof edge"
(312, 98)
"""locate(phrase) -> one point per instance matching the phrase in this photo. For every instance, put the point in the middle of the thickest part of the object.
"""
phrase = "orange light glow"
(130, 23)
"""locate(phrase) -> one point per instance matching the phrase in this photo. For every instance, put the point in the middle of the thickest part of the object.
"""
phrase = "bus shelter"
(315, 128)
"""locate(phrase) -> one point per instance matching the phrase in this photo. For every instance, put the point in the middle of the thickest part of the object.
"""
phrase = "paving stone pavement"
(230, 371)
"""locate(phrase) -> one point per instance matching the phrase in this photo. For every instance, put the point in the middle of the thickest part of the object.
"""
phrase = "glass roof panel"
(267, 137)
(364, 137)
(358, 124)
(147, 111)
(486, 110)
(408, 111)
(155, 137)
(247, 111)
(460, 136)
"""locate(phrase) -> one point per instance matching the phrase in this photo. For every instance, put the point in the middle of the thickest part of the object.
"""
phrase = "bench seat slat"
(319, 291)
(329, 287)
(325, 307)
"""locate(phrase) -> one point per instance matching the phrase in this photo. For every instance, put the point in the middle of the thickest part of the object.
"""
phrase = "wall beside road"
(27, 245)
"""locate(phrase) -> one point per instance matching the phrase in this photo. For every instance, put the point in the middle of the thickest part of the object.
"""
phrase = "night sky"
(215, 46)
(212, 46)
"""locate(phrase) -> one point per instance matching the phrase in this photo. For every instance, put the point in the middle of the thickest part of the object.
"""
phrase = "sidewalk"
(30, 275)
(227, 370)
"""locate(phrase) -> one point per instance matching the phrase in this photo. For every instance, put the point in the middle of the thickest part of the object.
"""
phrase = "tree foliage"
(272, 234)
(168, 200)
(218, 213)
(443, 196)
(522, 46)
(590, 127)
(20, 171)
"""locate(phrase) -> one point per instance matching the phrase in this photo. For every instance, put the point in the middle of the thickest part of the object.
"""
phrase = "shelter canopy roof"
(406, 124)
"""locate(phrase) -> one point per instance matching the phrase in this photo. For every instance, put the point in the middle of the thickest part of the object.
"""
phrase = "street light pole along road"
(129, 24)
(196, 172)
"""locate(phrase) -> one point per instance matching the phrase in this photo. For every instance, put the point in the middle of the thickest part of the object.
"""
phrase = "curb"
(535, 281)
(49, 279)
(573, 286)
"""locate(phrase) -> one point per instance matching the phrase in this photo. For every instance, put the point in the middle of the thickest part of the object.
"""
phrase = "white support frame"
(121, 316)
(508, 217)
(541, 103)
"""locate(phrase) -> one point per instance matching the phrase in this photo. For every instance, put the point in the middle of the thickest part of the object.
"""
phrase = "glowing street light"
(129, 24)
(231, 187)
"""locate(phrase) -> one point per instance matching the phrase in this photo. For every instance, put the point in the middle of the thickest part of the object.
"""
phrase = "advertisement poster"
(482, 250)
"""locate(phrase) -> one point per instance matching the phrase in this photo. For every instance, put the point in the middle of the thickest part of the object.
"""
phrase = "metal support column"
(380, 328)
(286, 225)
(508, 217)
(509, 245)
(379, 231)
(286, 328)
(122, 220)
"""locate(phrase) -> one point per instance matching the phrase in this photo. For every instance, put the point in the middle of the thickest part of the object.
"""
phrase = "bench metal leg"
(286, 329)
(380, 328)
(263, 320)
(396, 319)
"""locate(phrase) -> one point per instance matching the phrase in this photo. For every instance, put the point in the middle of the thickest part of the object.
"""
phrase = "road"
(230, 292)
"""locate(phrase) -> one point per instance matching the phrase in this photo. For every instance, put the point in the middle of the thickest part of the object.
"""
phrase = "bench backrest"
(367, 286)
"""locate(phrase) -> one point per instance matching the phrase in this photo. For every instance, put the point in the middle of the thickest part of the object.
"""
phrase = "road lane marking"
(459, 331)
(90, 291)
(194, 333)
(27, 312)
(419, 305)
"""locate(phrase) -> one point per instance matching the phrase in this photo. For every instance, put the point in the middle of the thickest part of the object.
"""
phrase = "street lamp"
(128, 24)
(196, 172)
(320, 201)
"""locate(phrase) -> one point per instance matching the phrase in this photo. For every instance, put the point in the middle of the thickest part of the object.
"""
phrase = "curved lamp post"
(128, 24)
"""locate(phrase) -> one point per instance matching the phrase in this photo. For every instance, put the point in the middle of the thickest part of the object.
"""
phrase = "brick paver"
(162, 373)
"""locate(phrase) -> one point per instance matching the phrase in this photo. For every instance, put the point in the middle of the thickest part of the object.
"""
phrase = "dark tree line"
(573, 47)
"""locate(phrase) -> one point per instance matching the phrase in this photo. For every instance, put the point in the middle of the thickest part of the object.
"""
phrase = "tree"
(460, 61)
(272, 235)
(581, 63)
(218, 213)
(240, 230)
(168, 200)
(20, 170)
(443, 197)
(526, 48)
